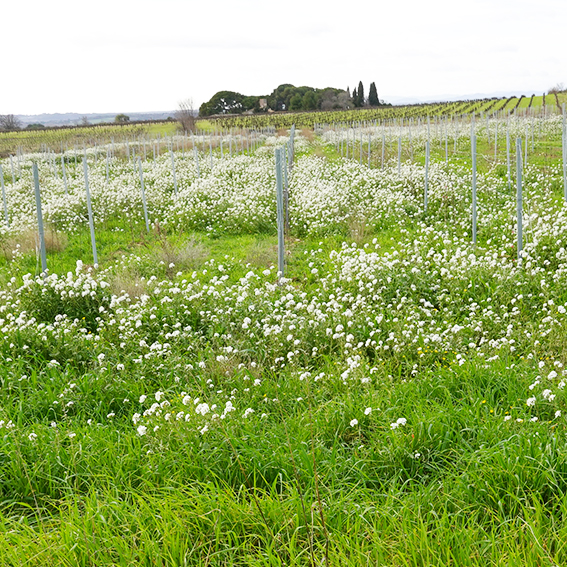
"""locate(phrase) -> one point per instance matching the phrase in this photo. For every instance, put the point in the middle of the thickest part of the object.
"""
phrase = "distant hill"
(73, 118)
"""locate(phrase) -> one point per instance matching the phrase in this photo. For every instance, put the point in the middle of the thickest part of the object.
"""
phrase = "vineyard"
(534, 105)
(395, 397)
(79, 137)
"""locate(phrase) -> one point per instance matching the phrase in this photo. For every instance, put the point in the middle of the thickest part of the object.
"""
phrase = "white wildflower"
(142, 430)
(398, 423)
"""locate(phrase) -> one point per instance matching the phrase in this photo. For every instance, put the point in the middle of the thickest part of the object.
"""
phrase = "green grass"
(457, 484)
(525, 102)
(455, 487)
(162, 128)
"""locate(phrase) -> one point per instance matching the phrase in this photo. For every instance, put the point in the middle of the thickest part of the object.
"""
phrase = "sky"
(148, 55)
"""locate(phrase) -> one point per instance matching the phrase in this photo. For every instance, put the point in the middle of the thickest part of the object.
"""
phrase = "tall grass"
(397, 400)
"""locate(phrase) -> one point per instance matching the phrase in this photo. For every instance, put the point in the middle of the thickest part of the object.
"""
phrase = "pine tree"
(309, 101)
(373, 99)
(296, 102)
(360, 94)
(354, 97)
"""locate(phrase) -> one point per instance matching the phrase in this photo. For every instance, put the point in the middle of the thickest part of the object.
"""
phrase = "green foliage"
(289, 97)
(309, 101)
(319, 473)
(79, 299)
(360, 95)
(296, 102)
(280, 98)
(373, 99)
(228, 102)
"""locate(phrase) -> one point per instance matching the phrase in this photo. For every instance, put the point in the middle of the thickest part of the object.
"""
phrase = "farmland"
(397, 398)
(78, 137)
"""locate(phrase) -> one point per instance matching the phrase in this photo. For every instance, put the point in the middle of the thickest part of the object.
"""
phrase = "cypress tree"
(360, 94)
(373, 99)
(354, 97)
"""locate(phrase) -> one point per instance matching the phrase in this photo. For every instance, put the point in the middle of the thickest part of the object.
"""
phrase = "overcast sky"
(147, 55)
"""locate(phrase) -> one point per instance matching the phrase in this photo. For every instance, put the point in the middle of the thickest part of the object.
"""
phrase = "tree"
(558, 88)
(334, 99)
(309, 101)
(354, 98)
(280, 98)
(251, 103)
(185, 115)
(9, 122)
(360, 94)
(296, 102)
(225, 102)
(84, 121)
(344, 102)
(373, 99)
(121, 118)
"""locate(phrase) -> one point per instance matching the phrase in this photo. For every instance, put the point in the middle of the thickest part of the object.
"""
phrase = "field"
(65, 139)
(396, 399)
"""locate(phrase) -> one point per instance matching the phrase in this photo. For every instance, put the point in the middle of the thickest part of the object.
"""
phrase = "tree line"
(289, 97)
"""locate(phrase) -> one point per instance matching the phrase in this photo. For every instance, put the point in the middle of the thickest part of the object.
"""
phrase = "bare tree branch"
(9, 122)
(185, 115)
